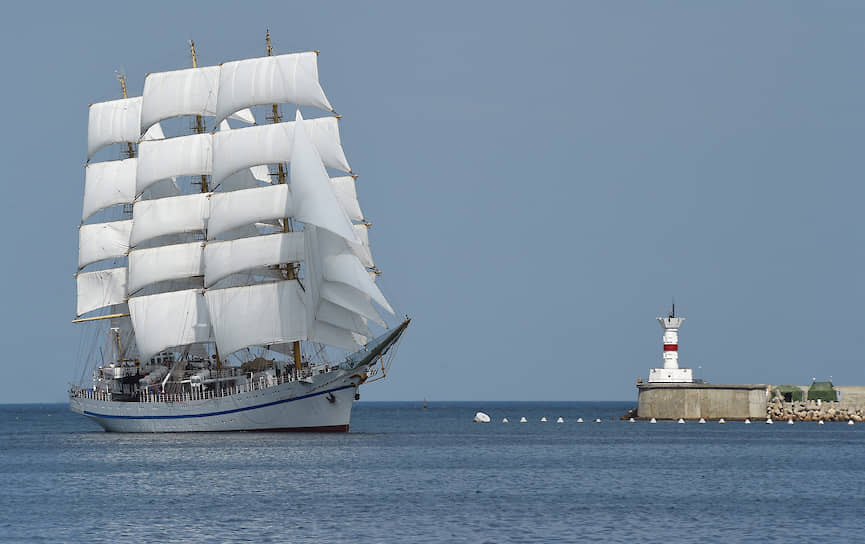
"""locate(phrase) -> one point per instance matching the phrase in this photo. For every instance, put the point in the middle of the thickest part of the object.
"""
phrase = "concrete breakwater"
(812, 410)
(701, 400)
(755, 402)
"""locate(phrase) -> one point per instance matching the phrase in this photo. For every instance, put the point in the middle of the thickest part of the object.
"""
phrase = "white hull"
(323, 405)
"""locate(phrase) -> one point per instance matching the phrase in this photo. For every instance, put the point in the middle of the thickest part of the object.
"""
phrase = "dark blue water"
(405, 474)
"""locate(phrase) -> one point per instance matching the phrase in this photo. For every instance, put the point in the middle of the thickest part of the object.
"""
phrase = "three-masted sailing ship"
(228, 270)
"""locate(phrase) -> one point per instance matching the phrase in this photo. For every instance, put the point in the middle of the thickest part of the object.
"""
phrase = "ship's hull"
(323, 405)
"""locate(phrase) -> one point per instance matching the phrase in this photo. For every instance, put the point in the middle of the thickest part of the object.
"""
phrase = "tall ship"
(225, 277)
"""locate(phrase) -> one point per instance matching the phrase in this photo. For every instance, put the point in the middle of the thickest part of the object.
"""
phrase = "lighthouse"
(671, 373)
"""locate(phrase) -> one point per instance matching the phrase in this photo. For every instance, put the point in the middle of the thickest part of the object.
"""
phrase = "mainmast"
(199, 120)
(286, 221)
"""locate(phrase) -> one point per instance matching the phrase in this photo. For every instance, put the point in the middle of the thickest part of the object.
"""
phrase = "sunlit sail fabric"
(344, 189)
(152, 218)
(244, 147)
(101, 241)
(182, 156)
(168, 320)
(311, 188)
(113, 122)
(180, 92)
(267, 313)
(100, 288)
(236, 208)
(223, 258)
(108, 184)
(192, 91)
(281, 79)
(171, 262)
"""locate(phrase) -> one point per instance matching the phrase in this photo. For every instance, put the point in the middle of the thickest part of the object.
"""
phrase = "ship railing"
(198, 393)
(80, 392)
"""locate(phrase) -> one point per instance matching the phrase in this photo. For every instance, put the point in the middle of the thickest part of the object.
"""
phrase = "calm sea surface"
(405, 474)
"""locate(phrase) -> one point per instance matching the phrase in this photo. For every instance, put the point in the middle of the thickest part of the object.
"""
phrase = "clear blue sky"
(542, 179)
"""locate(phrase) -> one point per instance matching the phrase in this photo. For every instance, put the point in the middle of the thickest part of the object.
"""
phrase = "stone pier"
(701, 400)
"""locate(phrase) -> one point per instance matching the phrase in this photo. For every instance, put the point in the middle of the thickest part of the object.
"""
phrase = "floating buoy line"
(481, 417)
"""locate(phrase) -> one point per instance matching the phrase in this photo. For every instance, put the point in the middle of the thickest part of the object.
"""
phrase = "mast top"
(192, 52)
(122, 79)
(269, 45)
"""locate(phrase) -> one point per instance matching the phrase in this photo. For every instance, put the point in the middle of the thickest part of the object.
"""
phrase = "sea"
(405, 473)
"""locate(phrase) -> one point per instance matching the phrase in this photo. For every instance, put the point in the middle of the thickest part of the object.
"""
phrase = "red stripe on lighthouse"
(671, 347)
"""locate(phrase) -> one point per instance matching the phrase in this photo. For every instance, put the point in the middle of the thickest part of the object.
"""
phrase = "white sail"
(246, 179)
(180, 92)
(113, 122)
(346, 269)
(182, 156)
(346, 194)
(342, 318)
(323, 132)
(325, 333)
(241, 148)
(168, 320)
(161, 189)
(244, 115)
(350, 299)
(236, 208)
(152, 218)
(191, 91)
(319, 245)
(100, 288)
(311, 188)
(154, 133)
(172, 262)
(221, 259)
(252, 315)
(283, 79)
(108, 184)
(101, 241)
(361, 249)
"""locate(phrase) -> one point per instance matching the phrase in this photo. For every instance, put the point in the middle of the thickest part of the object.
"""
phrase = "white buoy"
(504, 420)
(560, 420)
(790, 421)
(481, 417)
(747, 421)
(579, 420)
(598, 420)
(522, 420)
(631, 420)
(769, 421)
(653, 420)
(544, 419)
(680, 420)
(721, 421)
(850, 422)
(820, 422)
(702, 421)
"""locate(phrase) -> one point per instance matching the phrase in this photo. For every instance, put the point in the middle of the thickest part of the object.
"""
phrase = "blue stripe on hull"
(210, 414)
